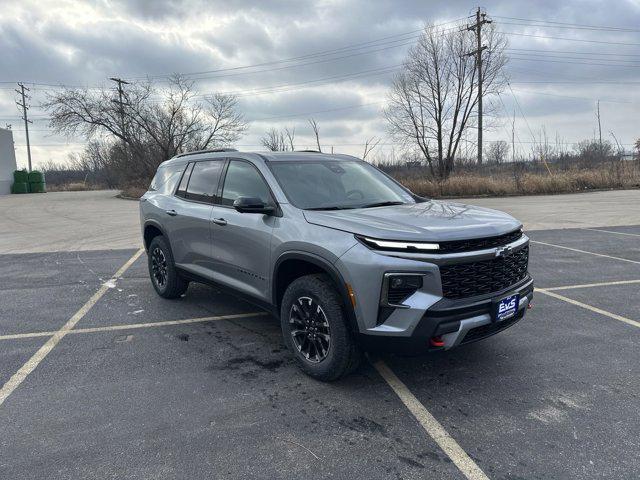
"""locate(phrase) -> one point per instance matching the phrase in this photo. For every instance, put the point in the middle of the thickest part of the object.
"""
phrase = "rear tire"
(315, 329)
(162, 270)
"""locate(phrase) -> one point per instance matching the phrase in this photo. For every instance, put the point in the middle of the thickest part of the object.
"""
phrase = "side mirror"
(252, 205)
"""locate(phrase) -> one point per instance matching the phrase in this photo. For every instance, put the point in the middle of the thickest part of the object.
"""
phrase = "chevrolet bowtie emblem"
(504, 251)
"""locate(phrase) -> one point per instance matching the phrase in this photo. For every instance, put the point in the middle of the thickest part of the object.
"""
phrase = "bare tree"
(291, 136)
(637, 147)
(497, 152)
(433, 98)
(593, 151)
(316, 132)
(369, 145)
(274, 140)
(152, 124)
(279, 140)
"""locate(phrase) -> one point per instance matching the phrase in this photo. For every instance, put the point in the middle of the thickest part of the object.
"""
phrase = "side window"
(204, 180)
(244, 180)
(166, 179)
(182, 188)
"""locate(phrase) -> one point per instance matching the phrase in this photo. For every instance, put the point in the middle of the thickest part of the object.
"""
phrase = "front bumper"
(456, 322)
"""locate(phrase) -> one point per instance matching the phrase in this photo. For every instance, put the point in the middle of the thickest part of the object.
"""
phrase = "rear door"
(242, 240)
(190, 231)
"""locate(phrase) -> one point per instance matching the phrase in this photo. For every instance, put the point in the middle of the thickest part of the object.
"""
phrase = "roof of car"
(304, 155)
(264, 156)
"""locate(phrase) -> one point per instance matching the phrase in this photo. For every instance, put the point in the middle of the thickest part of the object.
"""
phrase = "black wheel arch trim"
(328, 267)
(156, 224)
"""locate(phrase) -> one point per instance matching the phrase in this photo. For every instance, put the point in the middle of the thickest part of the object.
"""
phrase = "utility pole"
(477, 28)
(120, 101)
(513, 137)
(599, 128)
(25, 107)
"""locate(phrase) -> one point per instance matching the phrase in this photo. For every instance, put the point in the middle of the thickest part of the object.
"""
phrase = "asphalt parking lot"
(104, 379)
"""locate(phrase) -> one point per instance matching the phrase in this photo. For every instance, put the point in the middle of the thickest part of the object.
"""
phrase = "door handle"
(173, 213)
(219, 221)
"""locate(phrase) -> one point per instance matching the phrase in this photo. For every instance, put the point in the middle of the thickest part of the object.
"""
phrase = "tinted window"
(166, 179)
(243, 180)
(204, 180)
(182, 188)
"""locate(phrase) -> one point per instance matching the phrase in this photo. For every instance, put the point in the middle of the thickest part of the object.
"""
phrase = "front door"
(242, 240)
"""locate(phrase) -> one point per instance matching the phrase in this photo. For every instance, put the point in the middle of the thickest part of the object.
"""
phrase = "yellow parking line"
(588, 285)
(585, 251)
(454, 451)
(24, 371)
(133, 326)
(626, 320)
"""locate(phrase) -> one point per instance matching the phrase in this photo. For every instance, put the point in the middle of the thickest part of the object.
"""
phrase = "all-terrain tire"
(343, 354)
(162, 270)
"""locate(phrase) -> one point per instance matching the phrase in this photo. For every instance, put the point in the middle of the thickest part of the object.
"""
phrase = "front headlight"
(396, 245)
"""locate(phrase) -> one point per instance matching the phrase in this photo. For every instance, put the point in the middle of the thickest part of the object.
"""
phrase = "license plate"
(506, 307)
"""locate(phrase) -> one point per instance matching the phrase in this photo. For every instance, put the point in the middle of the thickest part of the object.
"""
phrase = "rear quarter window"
(166, 179)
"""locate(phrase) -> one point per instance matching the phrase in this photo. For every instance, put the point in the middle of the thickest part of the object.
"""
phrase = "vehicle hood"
(429, 221)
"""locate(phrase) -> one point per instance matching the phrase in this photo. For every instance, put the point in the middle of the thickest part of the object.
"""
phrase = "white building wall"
(7, 161)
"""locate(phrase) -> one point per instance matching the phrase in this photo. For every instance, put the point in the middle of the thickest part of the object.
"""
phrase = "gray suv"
(345, 256)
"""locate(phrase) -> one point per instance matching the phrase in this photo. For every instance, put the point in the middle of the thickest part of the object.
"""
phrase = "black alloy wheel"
(310, 329)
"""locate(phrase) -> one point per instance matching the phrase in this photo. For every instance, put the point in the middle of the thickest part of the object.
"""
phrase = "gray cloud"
(52, 42)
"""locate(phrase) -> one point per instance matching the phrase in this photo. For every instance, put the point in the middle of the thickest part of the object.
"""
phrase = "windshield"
(326, 185)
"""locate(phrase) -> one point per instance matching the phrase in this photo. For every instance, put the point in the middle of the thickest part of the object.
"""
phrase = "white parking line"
(588, 285)
(626, 320)
(454, 451)
(612, 231)
(18, 377)
(133, 326)
(584, 251)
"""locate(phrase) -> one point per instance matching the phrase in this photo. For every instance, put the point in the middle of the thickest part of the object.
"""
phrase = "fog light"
(397, 287)
(405, 282)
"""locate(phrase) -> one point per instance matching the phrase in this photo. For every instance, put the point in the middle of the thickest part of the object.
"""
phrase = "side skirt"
(231, 291)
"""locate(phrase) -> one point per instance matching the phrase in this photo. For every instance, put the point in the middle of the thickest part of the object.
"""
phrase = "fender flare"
(329, 268)
(156, 224)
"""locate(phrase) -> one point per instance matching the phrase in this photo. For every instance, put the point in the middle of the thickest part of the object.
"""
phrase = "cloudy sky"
(564, 56)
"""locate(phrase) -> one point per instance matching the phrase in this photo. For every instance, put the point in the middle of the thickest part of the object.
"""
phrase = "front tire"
(165, 278)
(315, 329)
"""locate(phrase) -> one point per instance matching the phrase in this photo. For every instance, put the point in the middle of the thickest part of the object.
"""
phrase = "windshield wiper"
(381, 204)
(335, 207)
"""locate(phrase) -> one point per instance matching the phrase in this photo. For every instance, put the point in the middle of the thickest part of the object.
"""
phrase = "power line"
(348, 107)
(569, 39)
(282, 87)
(576, 82)
(515, 57)
(574, 97)
(596, 29)
(357, 46)
(574, 52)
(571, 24)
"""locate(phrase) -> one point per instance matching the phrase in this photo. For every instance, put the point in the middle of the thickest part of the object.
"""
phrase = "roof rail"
(212, 150)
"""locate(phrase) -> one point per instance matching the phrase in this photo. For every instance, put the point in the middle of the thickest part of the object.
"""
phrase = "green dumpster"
(20, 187)
(36, 182)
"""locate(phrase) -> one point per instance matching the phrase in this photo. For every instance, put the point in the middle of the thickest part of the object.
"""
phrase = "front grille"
(490, 329)
(487, 276)
(457, 246)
